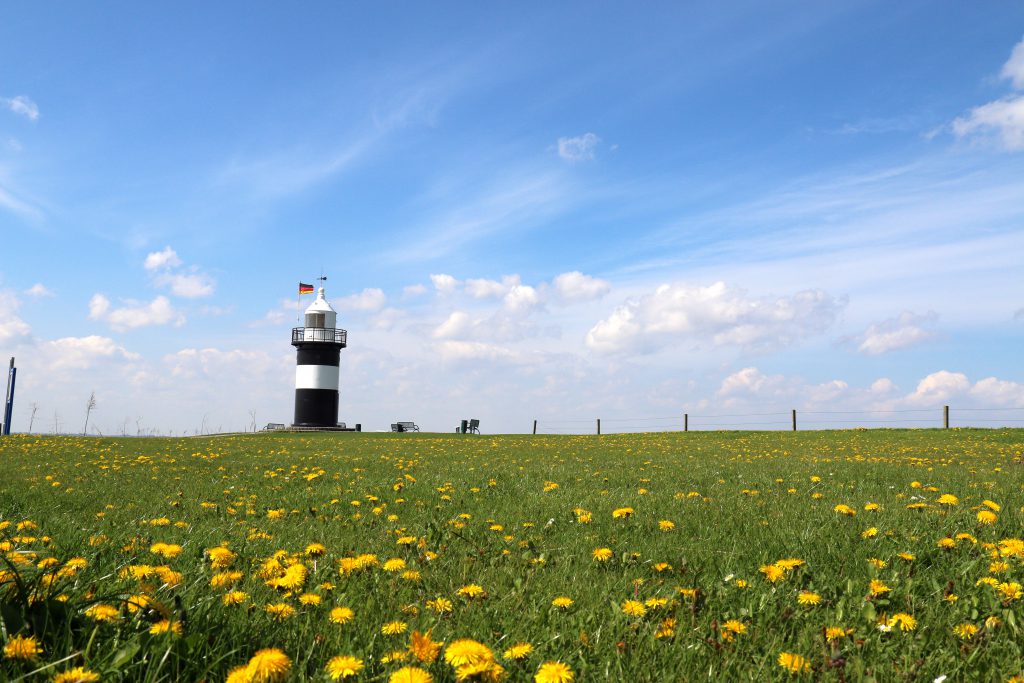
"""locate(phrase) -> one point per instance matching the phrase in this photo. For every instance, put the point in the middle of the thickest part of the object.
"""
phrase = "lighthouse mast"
(318, 346)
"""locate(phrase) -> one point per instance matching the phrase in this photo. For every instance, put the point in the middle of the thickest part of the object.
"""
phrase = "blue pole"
(10, 400)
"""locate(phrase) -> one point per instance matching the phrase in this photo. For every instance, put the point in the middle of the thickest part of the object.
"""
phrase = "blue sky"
(524, 211)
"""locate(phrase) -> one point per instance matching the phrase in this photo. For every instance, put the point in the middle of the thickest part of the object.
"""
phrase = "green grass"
(738, 501)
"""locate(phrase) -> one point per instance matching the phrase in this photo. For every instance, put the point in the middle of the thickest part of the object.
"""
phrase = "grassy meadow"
(853, 555)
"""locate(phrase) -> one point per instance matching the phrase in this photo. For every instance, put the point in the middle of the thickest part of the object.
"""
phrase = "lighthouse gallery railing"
(319, 334)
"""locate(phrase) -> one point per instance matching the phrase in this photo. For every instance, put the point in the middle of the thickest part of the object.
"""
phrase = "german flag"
(305, 289)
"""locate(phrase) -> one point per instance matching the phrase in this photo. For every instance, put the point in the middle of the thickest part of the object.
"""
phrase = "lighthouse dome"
(320, 314)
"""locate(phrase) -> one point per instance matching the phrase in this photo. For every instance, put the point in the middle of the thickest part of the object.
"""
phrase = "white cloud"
(39, 290)
(938, 388)
(1003, 118)
(81, 353)
(482, 288)
(883, 386)
(410, 291)
(12, 328)
(370, 299)
(455, 325)
(158, 260)
(1013, 70)
(443, 283)
(715, 315)
(575, 286)
(522, 299)
(135, 314)
(906, 330)
(215, 363)
(998, 393)
(21, 105)
(187, 286)
(579, 148)
(456, 351)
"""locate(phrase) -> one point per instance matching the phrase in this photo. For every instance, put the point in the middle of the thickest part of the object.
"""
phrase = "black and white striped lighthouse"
(319, 346)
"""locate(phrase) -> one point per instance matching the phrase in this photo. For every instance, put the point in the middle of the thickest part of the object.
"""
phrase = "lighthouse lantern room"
(318, 345)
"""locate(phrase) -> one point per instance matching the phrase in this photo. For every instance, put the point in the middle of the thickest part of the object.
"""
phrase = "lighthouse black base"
(316, 408)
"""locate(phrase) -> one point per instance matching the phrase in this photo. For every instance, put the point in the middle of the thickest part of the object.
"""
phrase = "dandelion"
(310, 599)
(466, 651)
(965, 631)
(992, 505)
(440, 605)
(773, 572)
(424, 648)
(279, 611)
(518, 651)
(876, 588)
(472, 591)
(869, 533)
(666, 629)
(871, 507)
(732, 628)
(394, 628)
(987, 517)
(909, 557)
(223, 579)
(845, 510)
(808, 598)
(666, 525)
(622, 513)
(902, 620)
(410, 674)
(554, 672)
(877, 563)
(948, 499)
(834, 633)
(793, 663)
(316, 550)
(343, 666)
(1010, 591)
(633, 608)
(562, 602)
(77, 674)
(25, 648)
(234, 598)
(602, 554)
(946, 543)
(396, 564)
(269, 666)
(103, 613)
(166, 626)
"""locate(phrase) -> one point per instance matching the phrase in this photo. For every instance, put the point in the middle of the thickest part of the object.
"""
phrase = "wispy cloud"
(579, 148)
(21, 105)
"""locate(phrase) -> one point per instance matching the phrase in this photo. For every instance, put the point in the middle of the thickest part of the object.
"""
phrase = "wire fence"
(945, 417)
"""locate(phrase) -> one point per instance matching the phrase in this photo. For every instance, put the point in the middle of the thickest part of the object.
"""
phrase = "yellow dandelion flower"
(946, 543)
(316, 550)
(808, 598)
(554, 672)
(871, 507)
(411, 674)
(25, 648)
(633, 608)
(602, 554)
(987, 517)
(394, 656)
(876, 587)
(440, 605)
(309, 599)
(870, 532)
(77, 674)
(773, 572)
(223, 579)
(909, 557)
(234, 598)
(845, 510)
(395, 564)
(394, 628)
(472, 591)
(518, 651)
(834, 633)
(877, 563)
(343, 666)
(466, 651)
(279, 611)
(562, 602)
(666, 629)
(622, 513)
(166, 626)
(1010, 591)
(965, 631)
(992, 505)
(793, 663)
(948, 499)
(269, 666)
(666, 525)
(734, 626)
(220, 557)
(904, 621)
(103, 613)
(424, 648)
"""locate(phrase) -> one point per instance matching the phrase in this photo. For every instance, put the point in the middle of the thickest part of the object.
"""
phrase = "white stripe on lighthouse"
(316, 377)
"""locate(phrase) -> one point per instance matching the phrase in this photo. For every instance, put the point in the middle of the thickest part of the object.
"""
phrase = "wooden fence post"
(686, 422)
(599, 426)
(535, 427)
(945, 417)
(794, 419)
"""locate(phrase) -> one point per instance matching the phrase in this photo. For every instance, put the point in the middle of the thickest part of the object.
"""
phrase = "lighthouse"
(318, 347)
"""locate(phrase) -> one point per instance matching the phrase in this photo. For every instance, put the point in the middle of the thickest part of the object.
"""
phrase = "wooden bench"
(405, 427)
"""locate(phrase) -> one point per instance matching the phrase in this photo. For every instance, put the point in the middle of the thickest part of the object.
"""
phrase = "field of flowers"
(892, 555)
